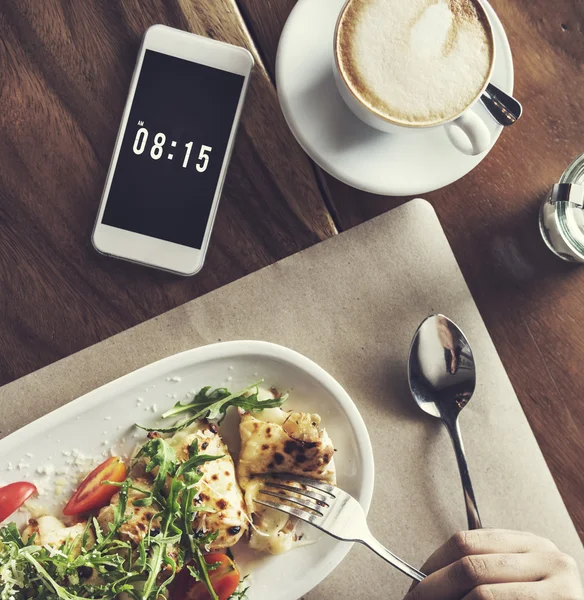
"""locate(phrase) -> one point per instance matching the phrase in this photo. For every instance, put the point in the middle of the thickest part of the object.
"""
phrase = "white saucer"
(340, 143)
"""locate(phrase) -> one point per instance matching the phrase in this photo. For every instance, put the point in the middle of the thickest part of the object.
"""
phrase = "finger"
(511, 591)
(486, 541)
(554, 587)
(459, 578)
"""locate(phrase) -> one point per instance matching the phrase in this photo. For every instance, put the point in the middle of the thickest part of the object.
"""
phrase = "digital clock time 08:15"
(157, 149)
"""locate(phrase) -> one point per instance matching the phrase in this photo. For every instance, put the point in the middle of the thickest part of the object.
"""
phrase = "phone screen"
(173, 149)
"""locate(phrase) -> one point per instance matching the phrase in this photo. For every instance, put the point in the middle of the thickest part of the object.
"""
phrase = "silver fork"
(331, 510)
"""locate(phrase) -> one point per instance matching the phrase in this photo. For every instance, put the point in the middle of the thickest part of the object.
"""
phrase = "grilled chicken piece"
(277, 441)
(218, 488)
(140, 519)
(50, 531)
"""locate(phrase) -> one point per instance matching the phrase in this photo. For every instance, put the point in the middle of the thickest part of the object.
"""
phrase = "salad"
(160, 524)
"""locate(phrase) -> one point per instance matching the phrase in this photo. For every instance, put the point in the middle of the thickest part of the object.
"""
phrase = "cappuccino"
(415, 62)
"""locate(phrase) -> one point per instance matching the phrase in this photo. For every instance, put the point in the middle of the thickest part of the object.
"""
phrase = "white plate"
(369, 160)
(108, 414)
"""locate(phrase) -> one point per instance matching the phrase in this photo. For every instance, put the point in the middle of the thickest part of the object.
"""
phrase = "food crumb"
(45, 470)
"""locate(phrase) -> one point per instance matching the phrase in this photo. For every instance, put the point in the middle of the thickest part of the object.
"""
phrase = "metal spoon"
(505, 109)
(442, 377)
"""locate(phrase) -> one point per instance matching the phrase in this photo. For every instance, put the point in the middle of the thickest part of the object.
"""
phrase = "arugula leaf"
(192, 463)
(202, 399)
(119, 518)
(213, 405)
(46, 577)
(163, 457)
(202, 571)
(252, 403)
(241, 592)
(9, 534)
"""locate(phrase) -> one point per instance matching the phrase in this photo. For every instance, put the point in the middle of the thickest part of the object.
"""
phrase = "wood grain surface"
(65, 71)
(66, 68)
(531, 301)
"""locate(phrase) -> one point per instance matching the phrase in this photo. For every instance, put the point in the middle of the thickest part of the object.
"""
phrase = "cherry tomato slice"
(13, 496)
(224, 579)
(92, 494)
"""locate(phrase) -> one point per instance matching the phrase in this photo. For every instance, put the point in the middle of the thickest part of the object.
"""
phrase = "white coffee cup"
(466, 130)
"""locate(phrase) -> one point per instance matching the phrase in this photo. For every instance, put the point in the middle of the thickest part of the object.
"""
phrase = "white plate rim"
(224, 350)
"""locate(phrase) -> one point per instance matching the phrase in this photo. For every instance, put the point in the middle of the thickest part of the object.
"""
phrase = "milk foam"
(417, 62)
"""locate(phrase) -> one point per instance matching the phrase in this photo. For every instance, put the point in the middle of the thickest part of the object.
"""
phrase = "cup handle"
(469, 134)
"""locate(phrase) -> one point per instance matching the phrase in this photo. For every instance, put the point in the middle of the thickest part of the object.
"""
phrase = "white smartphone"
(172, 150)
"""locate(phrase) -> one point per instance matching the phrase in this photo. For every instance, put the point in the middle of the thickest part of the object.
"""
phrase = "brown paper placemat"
(352, 304)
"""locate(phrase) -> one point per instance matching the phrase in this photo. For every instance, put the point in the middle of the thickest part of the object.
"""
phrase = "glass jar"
(561, 218)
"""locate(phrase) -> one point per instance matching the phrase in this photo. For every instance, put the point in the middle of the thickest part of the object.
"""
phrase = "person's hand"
(491, 564)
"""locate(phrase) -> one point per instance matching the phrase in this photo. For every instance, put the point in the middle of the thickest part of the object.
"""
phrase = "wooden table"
(65, 69)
